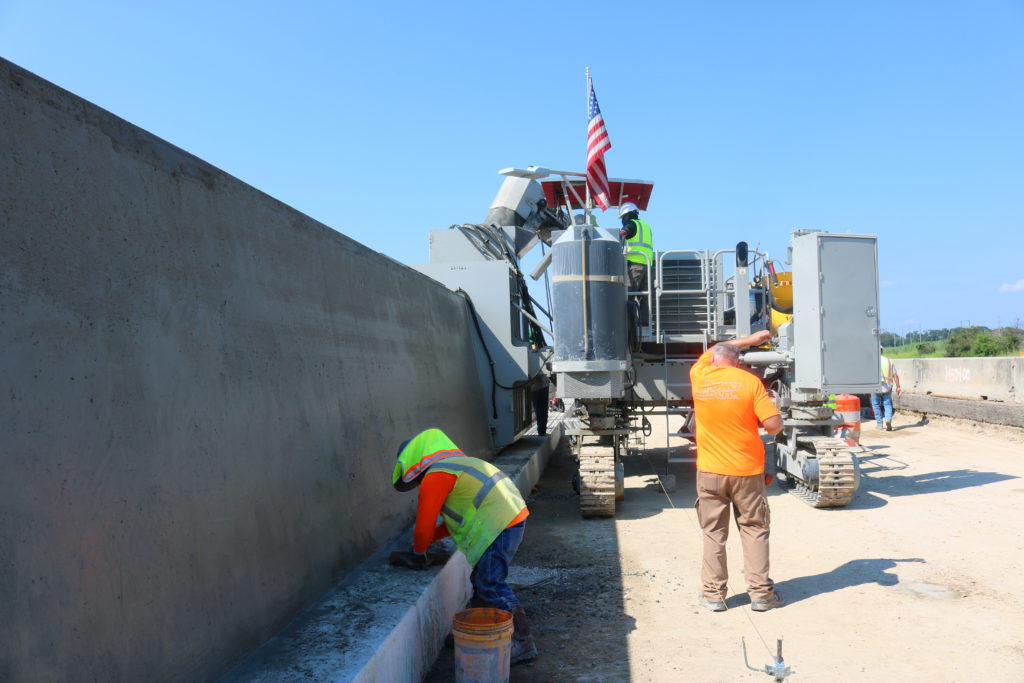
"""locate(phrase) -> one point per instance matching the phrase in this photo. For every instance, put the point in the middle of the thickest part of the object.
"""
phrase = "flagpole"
(586, 185)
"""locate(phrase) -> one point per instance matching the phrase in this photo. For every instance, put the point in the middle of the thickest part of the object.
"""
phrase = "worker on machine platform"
(640, 254)
(483, 512)
(729, 402)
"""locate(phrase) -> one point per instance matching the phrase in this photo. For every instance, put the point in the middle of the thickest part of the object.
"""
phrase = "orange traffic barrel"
(848, 409)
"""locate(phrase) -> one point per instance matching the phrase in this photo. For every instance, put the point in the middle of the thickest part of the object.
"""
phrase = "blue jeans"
(877, 401)
(491, 571)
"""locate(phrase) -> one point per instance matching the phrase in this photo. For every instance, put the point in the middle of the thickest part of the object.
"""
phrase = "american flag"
(597, 144)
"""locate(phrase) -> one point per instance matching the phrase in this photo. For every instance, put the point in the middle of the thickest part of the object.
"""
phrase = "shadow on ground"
(879, 459)
(928, 482)
(577, 612)
(652, 468)
(852, 573)
(868, 423)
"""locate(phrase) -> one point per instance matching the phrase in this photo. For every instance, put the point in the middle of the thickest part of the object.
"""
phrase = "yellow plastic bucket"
(483, 645)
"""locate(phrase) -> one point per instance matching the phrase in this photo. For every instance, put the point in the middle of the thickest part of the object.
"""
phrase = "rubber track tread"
(597, 481)
(837, 473)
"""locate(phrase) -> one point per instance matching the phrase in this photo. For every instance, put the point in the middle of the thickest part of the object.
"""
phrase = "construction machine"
(620, 358)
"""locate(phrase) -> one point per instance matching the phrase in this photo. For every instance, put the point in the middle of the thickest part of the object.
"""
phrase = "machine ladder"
(676, 388)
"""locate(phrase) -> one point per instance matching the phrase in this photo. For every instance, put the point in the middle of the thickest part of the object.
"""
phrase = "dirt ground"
(920, 578)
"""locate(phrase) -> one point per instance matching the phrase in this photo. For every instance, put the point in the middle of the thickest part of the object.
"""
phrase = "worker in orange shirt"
(482, 510)
(729, 402)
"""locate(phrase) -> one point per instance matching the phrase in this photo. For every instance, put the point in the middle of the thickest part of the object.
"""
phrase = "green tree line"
(962, 341)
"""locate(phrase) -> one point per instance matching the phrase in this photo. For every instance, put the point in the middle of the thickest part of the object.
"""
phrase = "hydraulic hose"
(490, 361)
(488, 238)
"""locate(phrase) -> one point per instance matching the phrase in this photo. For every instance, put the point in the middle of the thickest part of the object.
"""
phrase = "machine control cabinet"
(835, 313)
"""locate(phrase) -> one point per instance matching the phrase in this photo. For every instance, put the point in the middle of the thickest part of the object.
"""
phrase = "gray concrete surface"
(203, 394)
(992, 379)
(385, 623)
(917, 580)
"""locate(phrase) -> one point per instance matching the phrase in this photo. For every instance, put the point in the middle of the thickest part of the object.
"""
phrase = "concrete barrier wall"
(991, 412)
(203, 394)
(993, 379)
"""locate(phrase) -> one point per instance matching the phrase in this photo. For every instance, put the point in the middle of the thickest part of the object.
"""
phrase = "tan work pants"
(715, 493)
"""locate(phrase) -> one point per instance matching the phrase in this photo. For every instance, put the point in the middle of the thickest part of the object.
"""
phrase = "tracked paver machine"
(619, 358)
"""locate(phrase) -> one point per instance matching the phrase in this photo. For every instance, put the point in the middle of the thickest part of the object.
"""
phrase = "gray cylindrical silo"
(589, 307)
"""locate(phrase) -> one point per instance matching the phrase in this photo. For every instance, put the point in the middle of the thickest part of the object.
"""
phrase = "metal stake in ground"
(778, 671)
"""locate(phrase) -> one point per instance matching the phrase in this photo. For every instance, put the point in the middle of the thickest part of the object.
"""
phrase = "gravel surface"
(918, 579)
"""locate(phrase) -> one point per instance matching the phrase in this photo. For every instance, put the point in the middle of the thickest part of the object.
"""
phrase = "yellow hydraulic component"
(779, 318)
(782, 293)
(782, 299)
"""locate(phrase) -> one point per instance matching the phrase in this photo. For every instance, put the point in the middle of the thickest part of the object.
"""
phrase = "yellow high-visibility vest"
(480, 506)
(641, 246)
(888, 371)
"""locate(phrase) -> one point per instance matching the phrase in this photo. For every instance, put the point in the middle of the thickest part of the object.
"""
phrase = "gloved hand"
(409, 560)
(768, 478)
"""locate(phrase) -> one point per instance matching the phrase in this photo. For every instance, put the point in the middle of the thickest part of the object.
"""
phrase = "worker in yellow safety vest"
(480, 508)
(881, 402)
(639, 255)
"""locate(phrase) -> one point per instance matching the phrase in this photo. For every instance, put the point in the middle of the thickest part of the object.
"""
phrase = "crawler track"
(838, 473)
(597, 481)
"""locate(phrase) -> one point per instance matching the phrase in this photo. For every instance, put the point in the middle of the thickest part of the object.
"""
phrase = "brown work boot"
(523, 649)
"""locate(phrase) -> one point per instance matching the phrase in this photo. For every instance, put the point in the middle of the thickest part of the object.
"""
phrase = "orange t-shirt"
(728, 402)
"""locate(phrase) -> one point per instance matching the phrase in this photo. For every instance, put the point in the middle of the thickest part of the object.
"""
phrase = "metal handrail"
(650, 282)
(704, 273)
(758, 256)
(533, 318)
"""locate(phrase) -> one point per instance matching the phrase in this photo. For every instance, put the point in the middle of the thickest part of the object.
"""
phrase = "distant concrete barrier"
(991, 412)
(203, 394)
(977, 389)
(990, 379)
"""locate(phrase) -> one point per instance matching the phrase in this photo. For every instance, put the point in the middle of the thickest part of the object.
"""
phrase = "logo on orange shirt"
(728, 391)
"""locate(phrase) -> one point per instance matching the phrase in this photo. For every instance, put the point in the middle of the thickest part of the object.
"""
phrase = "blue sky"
(386, 120)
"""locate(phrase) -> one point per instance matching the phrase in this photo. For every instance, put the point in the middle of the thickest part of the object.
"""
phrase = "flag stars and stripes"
(597, 144)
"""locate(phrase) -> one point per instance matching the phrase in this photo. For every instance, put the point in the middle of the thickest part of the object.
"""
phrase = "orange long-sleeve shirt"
(434, 489)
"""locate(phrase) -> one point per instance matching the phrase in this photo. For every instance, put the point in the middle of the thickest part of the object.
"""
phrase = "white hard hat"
(626, 208)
